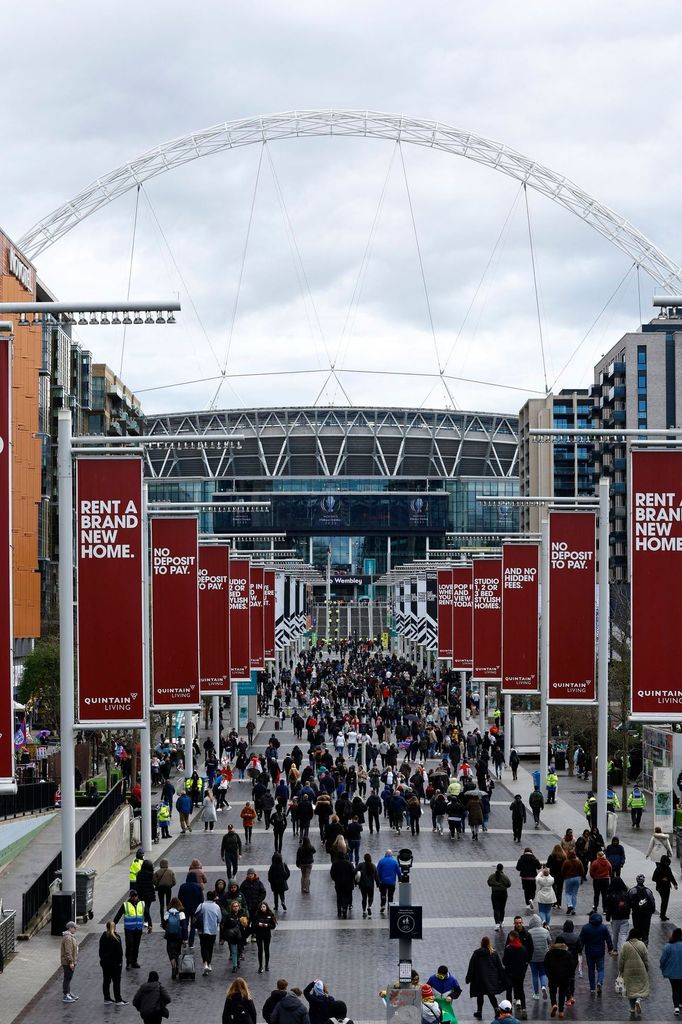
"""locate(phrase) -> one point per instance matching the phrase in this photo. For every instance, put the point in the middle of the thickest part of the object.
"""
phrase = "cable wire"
(535, 285)
(130, 273)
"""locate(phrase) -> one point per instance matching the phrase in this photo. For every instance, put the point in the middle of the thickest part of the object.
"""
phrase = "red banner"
(175, 612)
(571, 607)
(487, 603)
(240, 620)
(214, 620)
(256, 624)
(444, 592)
(6, 638)
(656, 584)
(520, 592)
(269, 614)
(462, 618)
(110, 581)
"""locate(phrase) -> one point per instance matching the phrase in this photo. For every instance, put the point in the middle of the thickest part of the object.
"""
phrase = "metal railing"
(38, 893)
(29, 798)
(7, 922)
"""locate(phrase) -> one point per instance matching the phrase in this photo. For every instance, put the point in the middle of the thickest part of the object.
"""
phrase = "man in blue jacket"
(388, 871)
(596, 939)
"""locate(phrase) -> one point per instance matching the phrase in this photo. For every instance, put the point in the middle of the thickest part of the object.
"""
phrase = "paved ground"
(355, 957)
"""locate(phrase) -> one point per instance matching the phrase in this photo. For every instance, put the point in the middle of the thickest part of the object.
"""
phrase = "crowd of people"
(377, 749)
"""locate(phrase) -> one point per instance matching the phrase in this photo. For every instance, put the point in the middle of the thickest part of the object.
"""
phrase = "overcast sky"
(331, 272)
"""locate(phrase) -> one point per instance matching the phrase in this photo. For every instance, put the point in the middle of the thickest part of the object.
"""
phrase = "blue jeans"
(571, 887)
(538, 975)
(545, 912)
(599, 965)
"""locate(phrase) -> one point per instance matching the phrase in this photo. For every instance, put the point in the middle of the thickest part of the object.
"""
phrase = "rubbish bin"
(560, 760)
(63, 910)
(536, 779)
(85, 892)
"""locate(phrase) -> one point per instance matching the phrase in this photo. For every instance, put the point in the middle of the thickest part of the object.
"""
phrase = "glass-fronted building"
(378, 486)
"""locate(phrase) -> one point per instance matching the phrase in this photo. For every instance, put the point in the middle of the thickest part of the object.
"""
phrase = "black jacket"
(289, 1010)
(486, 975)
(278, 873)
(276, 996)
(559, 964)
(234, 1009)
(304, 857)
(343, 875)
(515, 960)
(110, 950)
(253, 891)
(150, 998)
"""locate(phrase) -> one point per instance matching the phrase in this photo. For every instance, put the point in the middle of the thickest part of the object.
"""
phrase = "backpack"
(173, 925)
(237, 1011)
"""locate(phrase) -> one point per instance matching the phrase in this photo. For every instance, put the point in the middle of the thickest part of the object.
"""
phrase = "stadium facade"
(379, 486)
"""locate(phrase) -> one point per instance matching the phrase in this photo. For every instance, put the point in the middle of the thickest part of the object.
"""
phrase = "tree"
(39, 687)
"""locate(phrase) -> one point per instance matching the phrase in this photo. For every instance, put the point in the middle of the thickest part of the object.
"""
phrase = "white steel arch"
(354, 123)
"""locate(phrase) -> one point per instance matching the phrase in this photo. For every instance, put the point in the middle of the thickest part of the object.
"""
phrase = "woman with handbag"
(633, 967)
(151, 1000)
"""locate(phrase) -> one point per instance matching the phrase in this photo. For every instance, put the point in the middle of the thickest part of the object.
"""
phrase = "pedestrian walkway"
(354, 956)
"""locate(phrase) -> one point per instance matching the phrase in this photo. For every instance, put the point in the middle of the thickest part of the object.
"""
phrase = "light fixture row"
(100, 319)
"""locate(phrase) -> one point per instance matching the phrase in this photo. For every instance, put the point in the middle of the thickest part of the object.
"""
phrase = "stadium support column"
(544, 651)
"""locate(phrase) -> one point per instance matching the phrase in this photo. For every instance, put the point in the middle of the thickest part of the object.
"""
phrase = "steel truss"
(332, 442)
(355, 123)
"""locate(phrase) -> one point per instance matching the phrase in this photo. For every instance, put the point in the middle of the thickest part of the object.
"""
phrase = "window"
(641, 355)
(641, 405)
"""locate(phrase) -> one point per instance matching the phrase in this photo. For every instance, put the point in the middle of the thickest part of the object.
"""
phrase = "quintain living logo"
(112, 704)
(418, 512)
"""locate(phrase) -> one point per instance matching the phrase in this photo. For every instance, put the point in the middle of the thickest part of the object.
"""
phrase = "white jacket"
(544, 889)
(659, 846)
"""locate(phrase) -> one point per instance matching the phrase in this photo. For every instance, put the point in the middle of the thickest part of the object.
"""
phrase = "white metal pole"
(189, 753)
(66, 659)
(328, 597)
(544, 651)
(507, 727)
(146, 732)
(603, 657)
(216, 725)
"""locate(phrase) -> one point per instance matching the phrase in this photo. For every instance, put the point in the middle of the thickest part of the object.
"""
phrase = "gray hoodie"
(290, 1010)
(542, 940)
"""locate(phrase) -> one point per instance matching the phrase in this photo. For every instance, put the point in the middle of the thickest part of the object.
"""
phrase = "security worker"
(132, 912)
(163, 819)
(552, 783)
(135, 868)
(590, 809)
(636, 804)
(612, 801)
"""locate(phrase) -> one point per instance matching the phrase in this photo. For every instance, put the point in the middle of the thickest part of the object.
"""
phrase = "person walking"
(617, 909)
(475, 816)
(536, 802)
(278, 879)
(659, 845)
(111, 962)
(541, 940)
(164, 882)
(499, 883)
(209, 814)
(518, 816)
(485, 976)
(175, 928)
(238, 1007)
(263, 924)
(275, 997)
(615, 854)
(600, 873)
(642, 905)
(665, 881)
(552, 784)
(343, 876)
(388, 871)
(68, 958)
(368, 880)
(633, 966)
(279, 825)
(555, 863)
(146, 890)
(184, 807)
(290, 1010)
(528, 866)
(305, 857)
(545, 895)
(151, 1000)
(571, 939)
(636, 805)
(559, 970)
(191, 896)
(514, 762)
(233, 931)
(210, 915)
(248, 816)
(253, 891)
(671, 967)
(515, 960)
(572, 872)
(231, 851)
(132, 912)
(596, 939)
